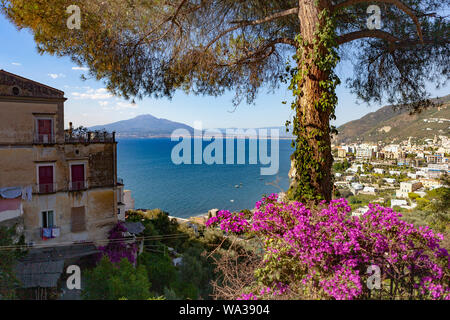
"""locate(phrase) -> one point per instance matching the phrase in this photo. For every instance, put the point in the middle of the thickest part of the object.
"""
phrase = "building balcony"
(69, 186)
(87, 137)
(44, 188)
(44, 139)
(78, 185)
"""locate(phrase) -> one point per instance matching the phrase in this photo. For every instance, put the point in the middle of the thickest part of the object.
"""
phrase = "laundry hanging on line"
(15, 192)
(11, 192)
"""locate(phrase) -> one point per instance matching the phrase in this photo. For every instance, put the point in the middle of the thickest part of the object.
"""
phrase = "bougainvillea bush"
(118, 246)
(324, 252)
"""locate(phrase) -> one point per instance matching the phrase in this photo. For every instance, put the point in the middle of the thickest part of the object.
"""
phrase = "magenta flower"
(328, 251)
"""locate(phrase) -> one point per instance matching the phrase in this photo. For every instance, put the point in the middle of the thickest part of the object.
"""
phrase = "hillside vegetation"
(389, 124)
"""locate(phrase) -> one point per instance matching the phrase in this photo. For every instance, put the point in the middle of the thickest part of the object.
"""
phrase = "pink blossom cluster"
(229, 222)
(118, 247)
(247, 296)
(344, 284)
(268, 292)
(330, 250)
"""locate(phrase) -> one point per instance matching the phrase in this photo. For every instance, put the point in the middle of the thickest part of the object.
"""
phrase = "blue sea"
(186, 190)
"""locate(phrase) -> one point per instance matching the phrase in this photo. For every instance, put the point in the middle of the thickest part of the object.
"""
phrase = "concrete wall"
(18, 164)
(18, 120)
(100, 215)
(128, 200)
(20, 158)
(18, 167)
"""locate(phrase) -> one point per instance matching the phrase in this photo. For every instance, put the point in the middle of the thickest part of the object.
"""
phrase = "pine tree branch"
(268, 18)
(367, 34)
(260, 53)
(400, 5)
(171, 18)
(245, 23)
(383, 35)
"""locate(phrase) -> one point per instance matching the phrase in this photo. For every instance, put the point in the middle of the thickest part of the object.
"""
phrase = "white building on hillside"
(369, 190)
(398, 203)
(407, 187)
(412, 175)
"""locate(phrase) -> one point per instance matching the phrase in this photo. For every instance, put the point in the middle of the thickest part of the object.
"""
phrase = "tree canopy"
(210, 46)
(155, 47)
(108, 281)
(8, 259)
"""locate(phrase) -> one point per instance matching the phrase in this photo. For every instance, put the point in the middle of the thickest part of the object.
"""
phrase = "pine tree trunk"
(312, 159)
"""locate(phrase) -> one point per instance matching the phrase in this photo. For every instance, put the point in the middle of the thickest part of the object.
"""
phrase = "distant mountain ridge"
(385, 124)
(144, 126)
(389, 124)
(148, 126)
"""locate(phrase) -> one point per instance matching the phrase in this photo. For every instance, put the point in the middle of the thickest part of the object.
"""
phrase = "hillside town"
(398, 175)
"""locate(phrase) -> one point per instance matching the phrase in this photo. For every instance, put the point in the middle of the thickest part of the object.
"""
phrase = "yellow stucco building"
(59, 186)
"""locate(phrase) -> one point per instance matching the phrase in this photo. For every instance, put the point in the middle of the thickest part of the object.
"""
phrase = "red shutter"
(46, 179)
(45, 126)
(44, 130)
(77, 176)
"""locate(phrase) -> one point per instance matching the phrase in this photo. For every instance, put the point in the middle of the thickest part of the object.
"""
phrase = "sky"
(89, 103)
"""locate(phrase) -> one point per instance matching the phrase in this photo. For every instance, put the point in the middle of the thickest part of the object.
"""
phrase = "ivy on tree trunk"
(313, 85)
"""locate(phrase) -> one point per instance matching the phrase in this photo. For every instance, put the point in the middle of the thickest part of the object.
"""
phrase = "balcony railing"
(90, 137)
(44, 138)
(78, 185)
(46, 187)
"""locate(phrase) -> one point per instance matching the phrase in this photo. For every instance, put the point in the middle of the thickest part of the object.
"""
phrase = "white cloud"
(16, 64)
(103, 103)
(80, 68)
(125, 105)
(94, 94)
(120, 106)
(56, 75)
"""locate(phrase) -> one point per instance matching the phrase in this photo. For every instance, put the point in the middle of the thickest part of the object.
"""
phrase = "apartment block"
(56, 185)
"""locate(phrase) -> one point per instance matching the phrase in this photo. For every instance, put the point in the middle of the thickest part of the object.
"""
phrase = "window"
(45, 179)
(44, 131)
(48, 220)
(77, 177)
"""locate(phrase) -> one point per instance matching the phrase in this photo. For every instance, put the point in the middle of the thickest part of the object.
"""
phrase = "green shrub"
(186, 290)
(198, 270)
(413, 195)
(8, 259)
(108, 281)
(160, 270)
